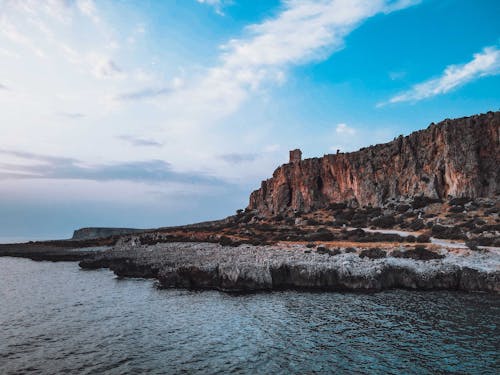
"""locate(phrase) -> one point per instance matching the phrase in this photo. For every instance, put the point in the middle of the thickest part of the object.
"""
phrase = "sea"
(58, 319)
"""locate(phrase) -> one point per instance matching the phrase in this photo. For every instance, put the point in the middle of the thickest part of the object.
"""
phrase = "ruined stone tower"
(295, 156)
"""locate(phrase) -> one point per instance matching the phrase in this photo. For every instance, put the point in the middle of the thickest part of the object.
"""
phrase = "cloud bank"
(37, 166)
(115, 90)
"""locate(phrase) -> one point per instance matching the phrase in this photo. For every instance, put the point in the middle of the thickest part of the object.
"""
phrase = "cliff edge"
(457, 158)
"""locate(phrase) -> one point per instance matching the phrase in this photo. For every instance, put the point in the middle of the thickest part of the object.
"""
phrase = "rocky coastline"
(248, 268)
(420, 212)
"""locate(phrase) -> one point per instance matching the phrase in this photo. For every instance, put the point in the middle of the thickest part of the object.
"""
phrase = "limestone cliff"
(459, 157)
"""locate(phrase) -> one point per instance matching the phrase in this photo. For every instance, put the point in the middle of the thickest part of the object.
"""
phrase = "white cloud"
(305, 30)
(105, 68)
(216, 4)
(348, 139)
(345, 137)
(88, 8)
(272, 147)
(485, 63)
(344, 130)
(11, 32)
(395, 76)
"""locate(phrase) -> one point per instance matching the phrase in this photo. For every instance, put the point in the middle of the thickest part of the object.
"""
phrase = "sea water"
(56, 318)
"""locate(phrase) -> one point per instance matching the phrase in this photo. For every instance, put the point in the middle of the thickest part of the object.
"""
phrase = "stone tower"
(295, 156)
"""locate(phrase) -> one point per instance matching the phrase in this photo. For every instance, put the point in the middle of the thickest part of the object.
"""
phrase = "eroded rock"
(456, 158)
(252, 268)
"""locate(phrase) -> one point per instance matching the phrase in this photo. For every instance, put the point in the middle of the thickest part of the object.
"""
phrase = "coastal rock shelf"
(253, 268)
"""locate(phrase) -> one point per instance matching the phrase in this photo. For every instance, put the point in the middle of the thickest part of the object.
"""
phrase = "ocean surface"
(56, 318)
(23, 239)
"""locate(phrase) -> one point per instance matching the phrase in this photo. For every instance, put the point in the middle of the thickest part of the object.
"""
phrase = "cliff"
(456, 158)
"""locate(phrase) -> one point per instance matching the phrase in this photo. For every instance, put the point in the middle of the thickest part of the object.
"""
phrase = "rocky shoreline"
(248, 268)
(420, 212)
(415, 243)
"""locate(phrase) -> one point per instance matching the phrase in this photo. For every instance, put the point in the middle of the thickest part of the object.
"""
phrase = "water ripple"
(57, 319)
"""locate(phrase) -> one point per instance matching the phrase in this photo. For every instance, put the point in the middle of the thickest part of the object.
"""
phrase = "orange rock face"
(459, 158)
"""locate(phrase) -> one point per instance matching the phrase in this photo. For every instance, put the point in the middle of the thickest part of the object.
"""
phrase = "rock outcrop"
(456, 158)
(92, 233)
(252, 268)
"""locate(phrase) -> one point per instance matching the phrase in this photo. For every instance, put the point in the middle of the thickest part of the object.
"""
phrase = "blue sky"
(154, 113)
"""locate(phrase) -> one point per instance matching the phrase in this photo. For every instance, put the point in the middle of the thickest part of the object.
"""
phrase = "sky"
(155, 113)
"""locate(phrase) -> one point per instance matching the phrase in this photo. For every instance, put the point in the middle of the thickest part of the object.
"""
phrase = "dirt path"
(436, 241)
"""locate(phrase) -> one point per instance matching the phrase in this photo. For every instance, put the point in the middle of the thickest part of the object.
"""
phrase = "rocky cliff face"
(459, 158)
